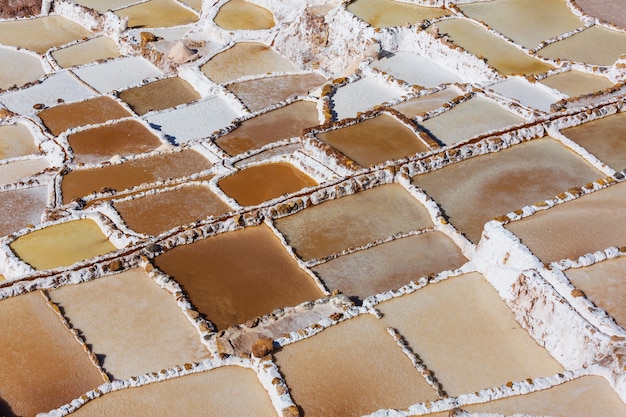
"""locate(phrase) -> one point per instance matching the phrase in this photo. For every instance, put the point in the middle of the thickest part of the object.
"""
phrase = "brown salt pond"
(242, 59)
(585, 225)
(594, 280)
(15, 141)
(467, 335)
(159, 167)
(478, 189)
(37, 353)
(159, 95)
(575, 83)
(586, 396)
(237, 276)
(21, 208)
(500, 54)
(18, 68)
(387, 13)
(228, 391)
(62, 244)
(156, 14)
(243, 15)
(51, 31)
(605, 138)
(101, 143)
(471, 118)
(17, 170)
(351, 369)
(259, 183)
(391, 265)
(264, 92)
(151, 332)
(583, 46)
(101, 47)
(430, 102)
(353, 220)
(155, 213)
(374, 141)
(527, 22)
(283, 123)
(97, 110)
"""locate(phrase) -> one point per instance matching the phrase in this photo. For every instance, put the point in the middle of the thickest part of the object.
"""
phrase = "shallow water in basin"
(430, 102)
(156, 14)
(92, 50)
(18, 68)
(159, 95)
(16, 170)
(51, 31)
(104, 5)
(416, 69)
(16, 140)
(387, 13)
(21, 208)
(243, 15)
(574, 83)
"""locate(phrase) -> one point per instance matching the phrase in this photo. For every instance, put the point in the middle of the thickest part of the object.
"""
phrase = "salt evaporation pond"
(243, 15)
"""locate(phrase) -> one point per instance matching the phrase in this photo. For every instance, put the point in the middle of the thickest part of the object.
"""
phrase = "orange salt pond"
(575, 83)
(605, 138)
(478, 189)
(353, 220)
(259, 183)
(466, 335)
(155, 213)
(51, 31)
(426, 103)
(390, 265)
(242, 59)
(160, 167)
(243, 15)
(264, 92)
(237, 276)
(18, 68)
(151, 332)
(15, 141)
(101, 143)
(585, 225)
(159, 95)
(227, 391)
(156, 14)
(37, 354)
(374, 141)
(97, 110)
(283, 123)
(21, 207)
(500, 54)
(92, 50)
(351, 369)
(387, 13)
(62, 244)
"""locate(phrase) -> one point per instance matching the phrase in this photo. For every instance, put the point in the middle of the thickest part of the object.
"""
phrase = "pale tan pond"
(243, 15)
(157, 13)
(389, 13)
(16, 140)
(574, 83)
(51, 30)
(18, 68)
(92, 50)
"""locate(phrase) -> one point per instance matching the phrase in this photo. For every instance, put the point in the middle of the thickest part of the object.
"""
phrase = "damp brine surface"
(237, 276)
(159, 95)
(51, 31)
(21, 208)
(426, 103)
(18, 68)
(16, 170)
(416, 69)
(243, 15)
(92, 50)
(15, 141)
(156, 14)
(574, 83)
(388, 13)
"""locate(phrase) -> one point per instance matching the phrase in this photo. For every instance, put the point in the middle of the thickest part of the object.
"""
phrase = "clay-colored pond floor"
(157, 13)
(160, 167)
(245, 58)
(51, 31)
(582, 397)
(62, 244)
(583, 47)
(388, 13)
(92, 50)
(16, 140)
(391, 265)
(353, 220)
(259, 183)
(159, 95)
(243, 15)
(360, 96)
(577, 227)
(479, 189)
(237, 276)
(228, 391)
(16, 170)
(264, 92)
(97, 110)
(37, 353)
(125, 138)
(416, 69)
(527, 22)
(374, 141)
(605, 138)
(574, 83)
(430, 102)
(21, 207)
(500, 54)
(467, 335)
(283, 123)
(156, 213)
(150, 330)
(18, 68)
(471, 118)
(351, 369)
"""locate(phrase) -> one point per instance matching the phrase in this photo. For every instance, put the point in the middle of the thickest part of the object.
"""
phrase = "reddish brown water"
(21, 207)
(16, 140)
(243, 15)
(237, 276)
(285, 122)
(259, 183)
(388, 13)
(93, 111)
(156, 14)
(51, 31)
(159, 95)
(92, 50)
